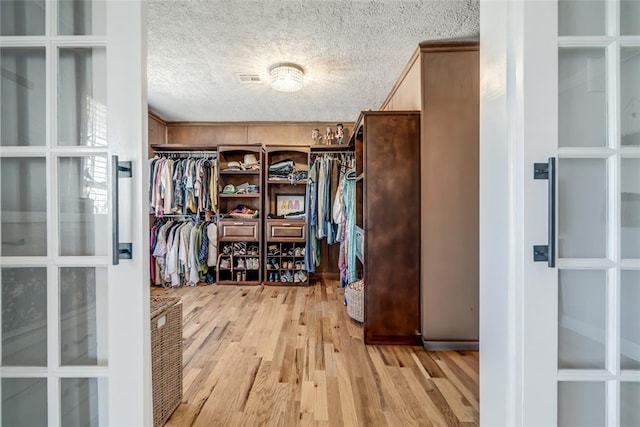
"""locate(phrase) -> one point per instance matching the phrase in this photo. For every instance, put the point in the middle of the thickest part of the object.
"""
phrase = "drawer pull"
(238, 223)
(286, 224)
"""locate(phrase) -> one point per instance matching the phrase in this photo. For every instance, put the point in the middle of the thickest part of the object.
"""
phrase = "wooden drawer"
(287, 231)
(239, 230)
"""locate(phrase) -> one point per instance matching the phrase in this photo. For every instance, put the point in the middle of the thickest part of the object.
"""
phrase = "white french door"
(568, 73)
(74, 329)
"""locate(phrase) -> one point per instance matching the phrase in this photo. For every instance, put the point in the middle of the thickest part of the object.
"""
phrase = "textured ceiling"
(352, 52)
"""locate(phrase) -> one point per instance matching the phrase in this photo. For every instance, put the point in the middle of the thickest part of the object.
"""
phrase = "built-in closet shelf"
(240, 172)
(241, 196)
(286, 182)
(182, 147)
(331, 147)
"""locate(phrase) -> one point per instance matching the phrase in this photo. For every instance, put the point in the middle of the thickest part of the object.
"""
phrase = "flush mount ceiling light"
(286, 77)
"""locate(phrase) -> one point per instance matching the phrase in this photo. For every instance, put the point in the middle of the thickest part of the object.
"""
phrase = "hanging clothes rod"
(319, 153)
(190, 153)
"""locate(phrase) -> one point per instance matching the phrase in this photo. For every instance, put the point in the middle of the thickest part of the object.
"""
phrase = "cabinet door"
(392, 251)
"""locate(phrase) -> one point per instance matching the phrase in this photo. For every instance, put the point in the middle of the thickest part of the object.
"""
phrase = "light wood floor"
(285, 356)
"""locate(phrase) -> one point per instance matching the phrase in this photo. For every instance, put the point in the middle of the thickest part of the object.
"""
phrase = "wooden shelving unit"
(285, 238)
(240, 239)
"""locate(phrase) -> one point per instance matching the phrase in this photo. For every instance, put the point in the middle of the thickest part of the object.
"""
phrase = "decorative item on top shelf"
(331, 139)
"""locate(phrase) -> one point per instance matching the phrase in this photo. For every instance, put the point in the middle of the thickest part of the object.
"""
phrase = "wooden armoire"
(388, 209)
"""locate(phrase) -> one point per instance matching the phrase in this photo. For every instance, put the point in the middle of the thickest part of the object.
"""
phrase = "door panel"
(67, 331)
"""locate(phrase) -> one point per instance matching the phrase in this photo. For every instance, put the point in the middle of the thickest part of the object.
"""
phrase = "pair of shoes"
(288, 264)
(239, 248)
(253, 263)
(252, 250)
(240, 265)
(273, 262)
(227, 249)
(299, 265)
(273, 277)
(300, 277)
(273, 250)
(286, 277)
(224, 263)
(299, 251)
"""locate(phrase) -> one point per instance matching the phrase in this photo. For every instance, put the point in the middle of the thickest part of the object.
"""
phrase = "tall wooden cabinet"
(388, 209)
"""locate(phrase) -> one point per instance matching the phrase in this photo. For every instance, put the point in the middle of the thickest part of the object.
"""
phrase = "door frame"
(515, 56)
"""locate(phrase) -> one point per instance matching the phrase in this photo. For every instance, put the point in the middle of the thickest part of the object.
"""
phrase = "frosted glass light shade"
(286, 77)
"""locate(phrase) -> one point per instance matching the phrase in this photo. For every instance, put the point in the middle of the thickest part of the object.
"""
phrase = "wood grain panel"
(241, 133)
(392, 227)
(450, 194)
(291, 356)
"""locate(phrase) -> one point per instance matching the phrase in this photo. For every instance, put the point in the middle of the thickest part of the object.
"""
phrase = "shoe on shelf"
(299, 265)
(299, 251)
(273, 250)
(241, 265)
(302, 276)
(252, 250)
(287, 276)
(224, 263)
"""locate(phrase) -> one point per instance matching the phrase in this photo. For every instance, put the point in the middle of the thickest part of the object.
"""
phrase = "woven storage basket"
(166, 357)
(354, 293)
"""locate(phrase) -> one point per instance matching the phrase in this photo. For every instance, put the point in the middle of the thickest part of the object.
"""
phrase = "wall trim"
(403, 75)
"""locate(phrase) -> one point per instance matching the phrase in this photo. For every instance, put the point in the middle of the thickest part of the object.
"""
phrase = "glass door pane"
(82, 98)
(582, 208)
(24, 402)
(81, 17)
(630, 17)
(24, 316)
(82, 188)
(581, 319)
(23, 204)
(630, 208)
(581, 404)
(629, 408)
(630, 319)
(83, 329)
(22, 17)
(23, 93)
(581, 17)
(630, 95)
(582, 98)
(79, 403)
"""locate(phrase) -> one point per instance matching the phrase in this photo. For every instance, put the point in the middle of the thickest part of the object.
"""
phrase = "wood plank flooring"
(286, 356)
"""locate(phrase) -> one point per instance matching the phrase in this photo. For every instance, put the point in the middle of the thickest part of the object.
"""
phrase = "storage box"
(166, 357)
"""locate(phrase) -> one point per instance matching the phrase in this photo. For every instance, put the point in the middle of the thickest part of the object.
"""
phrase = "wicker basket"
(166, 357)
(354, 294)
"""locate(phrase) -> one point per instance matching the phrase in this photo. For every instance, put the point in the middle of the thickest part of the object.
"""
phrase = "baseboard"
(450, 345)
(325, 276)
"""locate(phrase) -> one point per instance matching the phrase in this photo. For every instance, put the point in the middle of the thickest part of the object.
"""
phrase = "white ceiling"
(352, 52)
